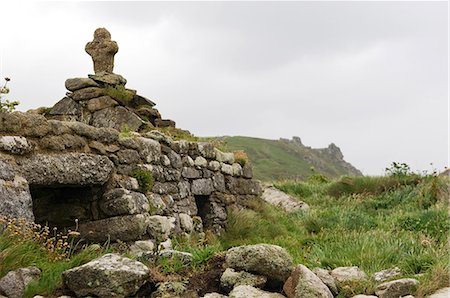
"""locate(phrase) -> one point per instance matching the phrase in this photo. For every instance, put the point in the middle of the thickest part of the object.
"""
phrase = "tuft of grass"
(120, 93)
(241, 157)
(177, 134)
(144, 178)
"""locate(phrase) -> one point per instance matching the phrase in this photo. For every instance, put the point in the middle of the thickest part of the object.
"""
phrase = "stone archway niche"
(60, 206)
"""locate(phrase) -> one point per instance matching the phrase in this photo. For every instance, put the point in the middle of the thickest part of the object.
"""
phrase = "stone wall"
(62, 172)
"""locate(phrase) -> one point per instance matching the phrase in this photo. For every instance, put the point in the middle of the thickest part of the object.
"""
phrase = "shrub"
(144, 178)
(240, 157)
(6, 105)
(398, 169)
(120, 93)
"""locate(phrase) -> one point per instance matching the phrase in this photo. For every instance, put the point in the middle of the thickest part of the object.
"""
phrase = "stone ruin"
(75, 167)
(101, 99)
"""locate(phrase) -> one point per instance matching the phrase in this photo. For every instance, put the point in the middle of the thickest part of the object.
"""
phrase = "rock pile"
(101, 99)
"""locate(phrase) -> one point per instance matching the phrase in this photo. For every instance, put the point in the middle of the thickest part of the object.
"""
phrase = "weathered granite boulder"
(120, 201)
(160, 227)
(118, 118)
(251, 292)
(125, 228)
(347, 274)
(397, 288)
(108, 276)
(15, 197)
(66, 168)
(231, 278)
(14, 283)
(271, 261)
(327, 279)
(386, 274)
(15, 145)
(184, 257)
(303, 283)
(275, 197)
(75, 84)
(100, 103)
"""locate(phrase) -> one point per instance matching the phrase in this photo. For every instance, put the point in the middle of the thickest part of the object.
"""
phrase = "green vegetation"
(177, 134)
(282, 159)
(120, 93)
(23, 244)
(144, 178)
(6, 105)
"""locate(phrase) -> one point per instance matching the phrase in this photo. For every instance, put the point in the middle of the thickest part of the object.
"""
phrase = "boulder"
(214, 295)
(236, 169)
(119, 118)
(327, 279)
(275, 197)
(200, 162)
(124, 228)
(66, 106)
(160, 227)
(347, 274)
(15, 145)
(186, 222)
(442, 293)
(142, 247)
(7, 171)
(191, 173)
(148, 149)
(164, 123)
(271, 261)
(103, 134)
(303, 283)
(120, 201)
(184, 257)
(100, 103)
(15, 198)
(141, 101)
(87, 93)
(251, 292)
(79, 83)
(170, 289)
(225, 157)
(397, 288)
(14, 283)
(226, 169)
(231, 279)
(202, 187)
(108, 276)
(65, 169)
(108, 78)
(386, 274)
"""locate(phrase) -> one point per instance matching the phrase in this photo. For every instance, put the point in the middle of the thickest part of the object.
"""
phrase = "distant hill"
(290, 159)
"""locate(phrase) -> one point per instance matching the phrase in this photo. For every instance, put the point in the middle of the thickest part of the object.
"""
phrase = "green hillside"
(290, 159)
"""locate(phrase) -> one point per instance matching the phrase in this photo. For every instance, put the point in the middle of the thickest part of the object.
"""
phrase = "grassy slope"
(277, 160)
(375, 223)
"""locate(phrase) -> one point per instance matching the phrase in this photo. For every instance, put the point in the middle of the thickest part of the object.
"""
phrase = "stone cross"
(102, 50)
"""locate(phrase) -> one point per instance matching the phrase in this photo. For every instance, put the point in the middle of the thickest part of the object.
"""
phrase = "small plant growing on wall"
(120, 93)
(240, 157)
(6, 105)
(144, 178)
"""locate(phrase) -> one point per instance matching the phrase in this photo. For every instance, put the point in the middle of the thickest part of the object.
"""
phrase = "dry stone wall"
(71, 174)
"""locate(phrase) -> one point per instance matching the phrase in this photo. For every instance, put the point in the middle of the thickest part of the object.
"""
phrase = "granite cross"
(102, 50)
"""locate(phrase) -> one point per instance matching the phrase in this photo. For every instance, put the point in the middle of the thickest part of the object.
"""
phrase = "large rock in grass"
(344, 275)
(442, 293)
(327, 279)
(14, 283)
(276, 197)
(397, 288)
(271, 261)
(303, 283)
(108, 276)
(231, 279)
(251, 292)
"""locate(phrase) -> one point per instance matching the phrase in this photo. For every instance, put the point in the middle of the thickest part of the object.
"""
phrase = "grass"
(120, 93)
(377, 223)
(374, 223)
(16, 252)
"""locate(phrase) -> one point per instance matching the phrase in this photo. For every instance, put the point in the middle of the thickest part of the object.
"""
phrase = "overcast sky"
(372, 77)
